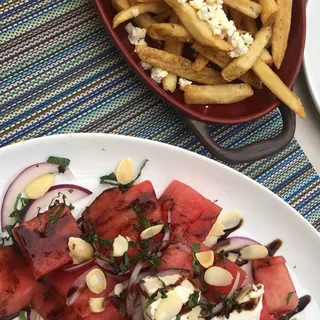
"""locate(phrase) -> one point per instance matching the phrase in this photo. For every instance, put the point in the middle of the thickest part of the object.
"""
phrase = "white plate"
(312, 49)
(266, 216)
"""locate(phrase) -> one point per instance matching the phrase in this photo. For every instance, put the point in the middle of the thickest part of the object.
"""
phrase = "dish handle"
(251, 152)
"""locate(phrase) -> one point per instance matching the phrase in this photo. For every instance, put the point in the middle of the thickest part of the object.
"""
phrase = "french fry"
(200, 63)
(120, 5)
(163, 17)
(269, 12)
(281, 30)
(221, 59)
(236, 16)
(225, 9)
(137, 10)
(266, 57)
(218, 94)
(177, 65)
(275, 84)
(247, 7)
(169, 31)
(244, 63)
(169, 83)
(199, 29)
(148, 1)
(143, 20)
(249, 25)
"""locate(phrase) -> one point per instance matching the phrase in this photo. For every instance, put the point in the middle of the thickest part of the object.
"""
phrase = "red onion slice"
(33, 315)
(233, 243)
(132, 281)
(77, 288)
(220, 305)
(18, 185)
(76, 267)
(138, 310)
(71, 191)
(248, 269)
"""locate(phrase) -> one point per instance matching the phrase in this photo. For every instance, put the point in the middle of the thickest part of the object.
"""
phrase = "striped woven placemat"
(60, 73)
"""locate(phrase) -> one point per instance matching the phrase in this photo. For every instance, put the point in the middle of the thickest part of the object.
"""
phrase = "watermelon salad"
(132, 255)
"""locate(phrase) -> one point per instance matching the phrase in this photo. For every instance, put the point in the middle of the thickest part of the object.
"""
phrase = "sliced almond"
(120, 246)
(96, 281)
(118, 289)
(210, 241)
(39, 186)
(216, 276)
(243, 292)
(151, 232)
(80, 249)
(125, 171)
(255, 251)
(217, 229)
(205, 258)
(169, 307)
(230, 219)
(233, 256)
(96, 304)
(195, 313)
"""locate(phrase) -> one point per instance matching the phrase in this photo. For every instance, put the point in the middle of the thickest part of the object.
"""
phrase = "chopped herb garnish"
(112, 179)
(124, 264)
(289, 297)
(141, 281)
(71, 206)
(132, 244)
(47, 292)
(62, 162)
(19, 210)
(70, 190)
(53, 218)
(22, 315)
(122, 309)
(193, 300)
(218, 296)
(195, 247)
(222, 255)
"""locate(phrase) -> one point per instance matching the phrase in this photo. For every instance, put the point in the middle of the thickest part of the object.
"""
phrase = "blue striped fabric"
(60, 73)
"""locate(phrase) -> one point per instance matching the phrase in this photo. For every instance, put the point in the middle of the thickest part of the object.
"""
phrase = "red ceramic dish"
(250, 109)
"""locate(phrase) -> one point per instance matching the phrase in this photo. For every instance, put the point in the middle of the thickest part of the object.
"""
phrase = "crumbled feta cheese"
(256, 295)
(184, 289)
(146, 66)
(136, 35)
(240, 43)
(135, 12)
(197, 4)
(157, 74)
(212, 12)
(183, 82)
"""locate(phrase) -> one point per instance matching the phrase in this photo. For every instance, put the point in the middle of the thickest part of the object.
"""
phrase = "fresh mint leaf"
(112, 179)
(193, 300)
(62, 162)
(288, 297)
(122, 309)
(195, 248)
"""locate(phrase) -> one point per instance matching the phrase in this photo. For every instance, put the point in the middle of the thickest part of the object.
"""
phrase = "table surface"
(308, 131)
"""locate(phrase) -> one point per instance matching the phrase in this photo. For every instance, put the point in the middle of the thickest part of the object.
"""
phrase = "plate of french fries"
(218, 61)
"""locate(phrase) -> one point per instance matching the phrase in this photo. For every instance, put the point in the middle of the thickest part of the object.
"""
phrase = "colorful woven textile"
(60, 73)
